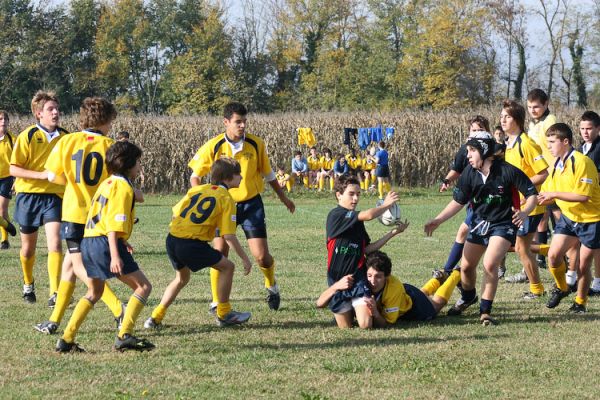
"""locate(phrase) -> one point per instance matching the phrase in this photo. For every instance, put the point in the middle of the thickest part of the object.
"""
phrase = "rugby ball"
(391, 216)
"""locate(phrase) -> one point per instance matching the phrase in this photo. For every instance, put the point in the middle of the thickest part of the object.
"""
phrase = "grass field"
(297, 353)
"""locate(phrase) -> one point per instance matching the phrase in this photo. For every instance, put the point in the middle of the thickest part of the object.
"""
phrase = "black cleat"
(64, 347)
(577, 309)
(4, 245)
(461, 306)
(48, 327)
(52, 300)
(273, 299)
(555, 297)
(129, 342)
(29, 293)
(541, 262)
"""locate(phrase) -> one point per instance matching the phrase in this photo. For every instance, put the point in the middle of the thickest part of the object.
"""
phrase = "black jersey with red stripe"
(493, 199)
(346, 242)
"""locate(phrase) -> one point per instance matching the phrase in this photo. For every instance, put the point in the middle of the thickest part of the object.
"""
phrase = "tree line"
(185, 57)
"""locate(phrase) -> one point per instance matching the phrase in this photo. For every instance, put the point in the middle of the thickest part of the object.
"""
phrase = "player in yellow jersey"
(327, 162)
(355, 166)
(368, 169)
(284, 179)
(78, 160)
(7, 141)
(250, 151)
(38, 202)
(104, 249)
(522, 152)
(314, 168)
(573, 185)
(202, 211)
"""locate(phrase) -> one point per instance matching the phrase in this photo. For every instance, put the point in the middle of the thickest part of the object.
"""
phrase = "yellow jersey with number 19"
(202, 210)
(112, 209)
(80, 157)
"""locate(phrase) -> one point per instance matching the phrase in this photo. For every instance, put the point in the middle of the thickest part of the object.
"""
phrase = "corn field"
(421, 149)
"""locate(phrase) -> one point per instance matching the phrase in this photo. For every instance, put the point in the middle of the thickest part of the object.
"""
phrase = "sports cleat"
(555, 297)
(234, 318)
(10, 228)
(440, 275)
(487, 321)
(501, 271)
(577, 309)
(52, 300)
(533, 296)
(64, 347)
(593, 292)
(29, 293)
(541, 262)
(573, 287)
(129, 342)
(521, 277)
(119, 319)
(461, 306)
(273, 299)
(4, 245)
(212, 308)
(151, 323)
(48, 327)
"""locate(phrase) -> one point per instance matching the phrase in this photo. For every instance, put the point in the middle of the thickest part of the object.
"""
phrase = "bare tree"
(553, 14)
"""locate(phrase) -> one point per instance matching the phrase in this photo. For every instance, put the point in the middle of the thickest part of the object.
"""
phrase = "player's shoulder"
(27, 133)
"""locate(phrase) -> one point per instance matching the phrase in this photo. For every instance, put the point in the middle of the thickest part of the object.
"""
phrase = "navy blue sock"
(468, 295)
(454, 256)
(485, 307)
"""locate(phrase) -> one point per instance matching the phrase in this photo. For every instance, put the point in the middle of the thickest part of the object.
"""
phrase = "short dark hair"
(382, 144)
(5, 114)
(590, 116)
(561, 131)
(234, 108)
(327, 150)
(343, 181)
(481, 121)
(223, 169)
(379, 261)
(517, 111)
(121, 157)
(537, 95)
(297, 153)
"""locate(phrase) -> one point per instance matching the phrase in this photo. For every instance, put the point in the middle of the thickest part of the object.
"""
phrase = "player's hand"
(518, 217)
(116, 265)
(431, 226)
(444, 187)
(247, 266)
(371, 305)
(289, 204)
(345, 283)
(390, 199)
(128, 247)
(400, 227)
(545, 198)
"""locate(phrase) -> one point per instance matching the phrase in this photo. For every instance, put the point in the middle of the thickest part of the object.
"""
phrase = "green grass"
(297, 353)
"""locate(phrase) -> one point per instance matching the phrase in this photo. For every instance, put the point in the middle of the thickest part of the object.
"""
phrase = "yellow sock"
(559, 276)
(3, 235)
(132, 312)
(81, 311)
(112, 301)
(63, 298)
(387, 187)
(580, 301)
(305, 182)
(544, 249)
(54, 268)
(321, 183)
(269, 273)
(536, 288)
(445, 291)
(380, 189)
(27, 266)
(288, 186)
(223, 309)
(430, 286)
(331, 183)
(214, 283)
(158, 314)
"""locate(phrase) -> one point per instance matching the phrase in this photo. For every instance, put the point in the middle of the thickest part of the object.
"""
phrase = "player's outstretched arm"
(282, 197)
(234, 243)
(451, 210)
(343, 284)
(20, 172)
(545, 198)
(378, 244)
(375, 212)
(58, 179)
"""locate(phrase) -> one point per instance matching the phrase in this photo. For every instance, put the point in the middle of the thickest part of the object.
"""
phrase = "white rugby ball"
(391, 216)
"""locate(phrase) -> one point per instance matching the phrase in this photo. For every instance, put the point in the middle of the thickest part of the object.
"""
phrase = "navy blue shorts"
(6, 185)
(192, 253)
(96, 258)
(341, 302)
(33, 210)
(588, 233)
(530, 225)
(422, 309)
(72, 234)
(251, 216)
(481, 231)
(382, 171)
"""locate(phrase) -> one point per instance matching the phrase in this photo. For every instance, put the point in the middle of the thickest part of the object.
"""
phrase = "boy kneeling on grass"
(204, 210)
(347, 244)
